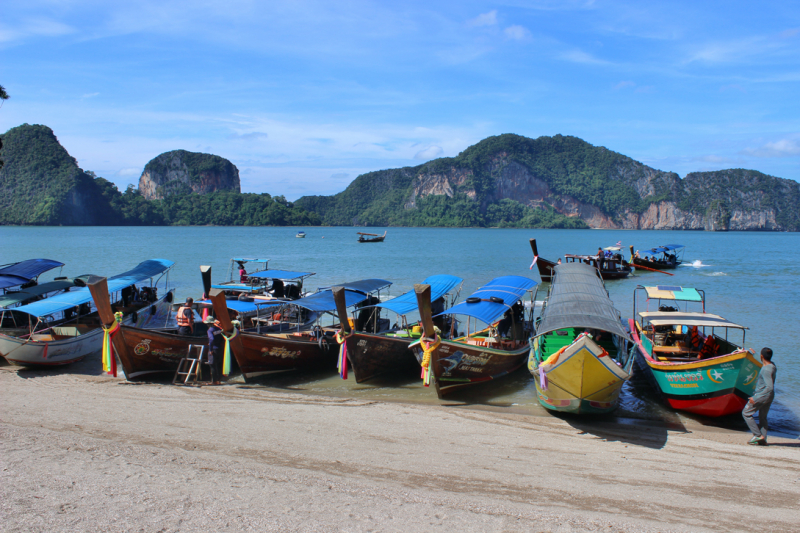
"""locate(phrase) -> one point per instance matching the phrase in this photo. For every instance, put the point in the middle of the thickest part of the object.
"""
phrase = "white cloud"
(782, 148)
(485, 19)
(516, 33)
(38, 27)
(252, 136)
(128, 172)
(90, 95)
(579, 56)
(428, 153)
(623, 85)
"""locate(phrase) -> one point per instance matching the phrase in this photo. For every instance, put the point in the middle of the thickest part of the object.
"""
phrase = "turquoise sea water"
(750, 278)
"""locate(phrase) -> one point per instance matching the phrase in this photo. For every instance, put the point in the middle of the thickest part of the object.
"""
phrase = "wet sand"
(85, 452)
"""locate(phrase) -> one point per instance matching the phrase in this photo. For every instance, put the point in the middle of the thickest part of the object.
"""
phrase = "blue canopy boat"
(26, 273)
(661, 257)
(303, 347)
(372, 349)
(65, 328)
(481, 354)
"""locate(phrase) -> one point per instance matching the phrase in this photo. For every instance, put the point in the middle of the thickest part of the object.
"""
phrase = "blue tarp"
(365, 285)
(24, 271)
(248, 307)
(405, 303)
(280, 274)
(661, 249)
(323, 301)
(508, 288)
(61, 302)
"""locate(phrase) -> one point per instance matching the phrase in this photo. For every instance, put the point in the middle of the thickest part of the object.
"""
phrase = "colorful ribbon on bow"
(109, 358)
(341, 365)
(427, 350)
(226, 358)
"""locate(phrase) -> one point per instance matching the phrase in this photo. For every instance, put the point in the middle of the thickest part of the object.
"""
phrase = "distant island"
(502, 181)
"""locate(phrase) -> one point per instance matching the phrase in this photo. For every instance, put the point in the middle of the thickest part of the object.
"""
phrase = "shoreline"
(93, 452)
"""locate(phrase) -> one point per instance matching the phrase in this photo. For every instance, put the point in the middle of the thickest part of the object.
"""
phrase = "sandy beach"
(86, 452)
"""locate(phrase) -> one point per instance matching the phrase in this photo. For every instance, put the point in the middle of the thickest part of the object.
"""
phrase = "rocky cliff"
(181, 172)
(574, 179)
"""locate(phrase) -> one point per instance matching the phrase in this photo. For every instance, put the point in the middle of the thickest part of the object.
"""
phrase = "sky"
(303, 96)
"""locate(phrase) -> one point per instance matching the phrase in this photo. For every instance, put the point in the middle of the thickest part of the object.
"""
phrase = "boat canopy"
(61, 302)
(15, 297)
(405, 303)
(22, 272)
(280, 274)
(509, 289)
(365, 285)
(667, 318)
(672, 292)
(249, 260)
(246, 307)
(323, 301)
(661, 249)
(578, 299)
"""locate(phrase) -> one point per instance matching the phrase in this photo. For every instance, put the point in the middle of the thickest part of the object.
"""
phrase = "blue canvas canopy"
(661, 249)
(365, 285)
(61, 302)
(24, 271)
(250, 260)
(323, 301)
(510, 289)
(247, 307)
(280, 274)
(405, 303)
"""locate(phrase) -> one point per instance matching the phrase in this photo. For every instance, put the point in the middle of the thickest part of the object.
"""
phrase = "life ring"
(473, 300)
(168, 297)
(135, 317)
(324, 344)
(152, 310)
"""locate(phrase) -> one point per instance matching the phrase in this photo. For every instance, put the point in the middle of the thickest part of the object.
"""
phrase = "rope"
(427, 350)
(226, 358)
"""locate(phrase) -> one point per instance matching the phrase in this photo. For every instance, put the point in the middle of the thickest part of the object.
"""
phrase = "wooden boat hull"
(713, 387)
(545, 269)
(660, 265)
(372, 355)
(268, 354)
(152, 353)
(457, 365)
(50, 350)
(582, 381)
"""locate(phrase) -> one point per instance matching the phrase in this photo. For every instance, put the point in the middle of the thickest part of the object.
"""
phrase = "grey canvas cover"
(578, 299)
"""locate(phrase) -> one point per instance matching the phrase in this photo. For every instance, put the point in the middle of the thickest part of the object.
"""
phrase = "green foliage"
(196, 164)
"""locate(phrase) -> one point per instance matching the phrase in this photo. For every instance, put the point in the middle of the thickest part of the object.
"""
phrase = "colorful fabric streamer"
(543, 382)
(535, 258)
(109, 357)
(341, 365)
(226, 357)
(427, 350)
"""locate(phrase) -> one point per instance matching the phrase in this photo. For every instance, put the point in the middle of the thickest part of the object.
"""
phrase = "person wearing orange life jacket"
(709, 348)
(185, 318)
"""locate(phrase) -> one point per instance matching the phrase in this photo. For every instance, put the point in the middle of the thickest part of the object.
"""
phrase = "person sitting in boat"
(559, 261)
(692, 339)
(242, 273)
(243, 297)
(185, 318)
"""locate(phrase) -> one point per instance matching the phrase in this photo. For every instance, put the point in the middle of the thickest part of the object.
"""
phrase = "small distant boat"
(301, 235)
(714, 377)
(661, 257)
(612, 266)
(365, 237)
(580, 354)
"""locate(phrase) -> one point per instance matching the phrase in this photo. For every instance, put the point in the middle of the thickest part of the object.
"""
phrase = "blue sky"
(303, 96)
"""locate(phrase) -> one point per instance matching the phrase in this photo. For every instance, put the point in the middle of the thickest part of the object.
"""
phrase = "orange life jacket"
(695, 337)
(181, 318)
(709, 348)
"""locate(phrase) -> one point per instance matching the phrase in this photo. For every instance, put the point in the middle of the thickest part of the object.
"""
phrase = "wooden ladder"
(189, 370)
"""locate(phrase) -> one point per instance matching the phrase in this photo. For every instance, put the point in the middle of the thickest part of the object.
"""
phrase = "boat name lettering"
(161, 354)
(475, 360)
(684, 385)
(686, 376)
(281, 352)
(471, 369)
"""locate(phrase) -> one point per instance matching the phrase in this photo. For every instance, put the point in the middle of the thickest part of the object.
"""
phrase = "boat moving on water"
(478, 355)
(661, 257)
(371, 353)
(580, 356)
(684, 357)
(371, 237)
(610, 266)
(301, 235)
(63, 328)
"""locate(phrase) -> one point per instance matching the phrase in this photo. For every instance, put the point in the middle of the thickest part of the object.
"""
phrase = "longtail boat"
(370, 237)
(370, 352)
(63, 328)
(305, 348)
(613, 266)
(477, 355)
(580, 355)
(151, 354)
(664, 257)
(710, 377)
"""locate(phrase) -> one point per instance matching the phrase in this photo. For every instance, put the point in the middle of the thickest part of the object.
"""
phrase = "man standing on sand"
(216, 347)
(761, 400)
